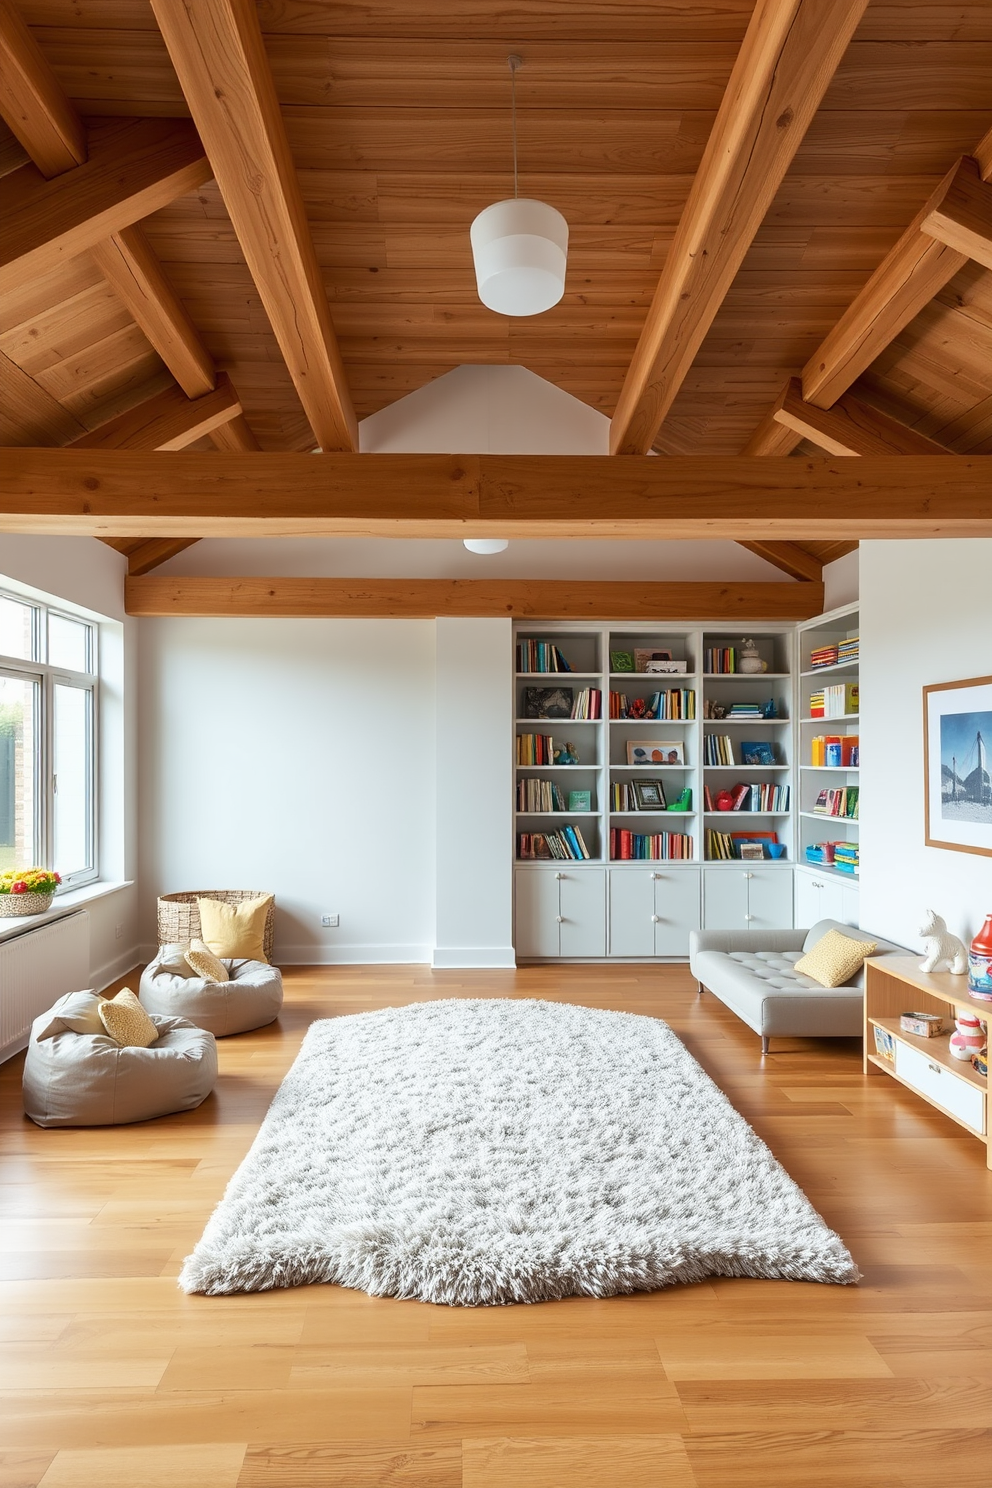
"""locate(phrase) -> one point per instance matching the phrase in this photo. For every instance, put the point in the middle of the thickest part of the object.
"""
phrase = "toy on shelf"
(968, 1037)
(939, 945)
(980, 963)
(567, 755)
(682, 802)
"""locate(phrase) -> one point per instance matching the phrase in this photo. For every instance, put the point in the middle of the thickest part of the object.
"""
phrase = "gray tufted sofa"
(753, 973)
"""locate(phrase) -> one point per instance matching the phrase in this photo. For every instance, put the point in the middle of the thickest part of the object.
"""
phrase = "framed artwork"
(957, 756)
(548, 702)
(621, 661)
(757, 753)
(655, 752)
(580, 800)
(649, 795)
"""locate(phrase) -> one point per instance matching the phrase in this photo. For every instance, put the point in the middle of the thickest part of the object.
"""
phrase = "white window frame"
(40, 671)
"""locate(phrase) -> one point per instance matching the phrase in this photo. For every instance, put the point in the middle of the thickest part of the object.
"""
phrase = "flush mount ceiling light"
(486, 544)
(519, 246)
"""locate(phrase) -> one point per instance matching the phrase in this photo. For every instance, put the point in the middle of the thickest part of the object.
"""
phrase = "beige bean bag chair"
(77, 1076)
(251, 998)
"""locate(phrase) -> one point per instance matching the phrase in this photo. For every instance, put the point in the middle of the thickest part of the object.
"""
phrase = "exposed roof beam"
(147, 554)
(142, 166)
(790, 558)
(130, 266)
(28, 412)
(850, 427)
(545, 599)
(234, 435)
(169, 421)
(121, 493)
(785, 64)
(962, 217)
(33, 102)
(217, 50)
(915, 269)
(983, 155)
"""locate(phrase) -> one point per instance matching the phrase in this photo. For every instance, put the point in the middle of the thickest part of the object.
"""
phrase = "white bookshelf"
(814, 827)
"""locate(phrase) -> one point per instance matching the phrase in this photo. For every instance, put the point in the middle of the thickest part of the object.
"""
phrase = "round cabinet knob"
(656, 875)
(749, 917)
(656, 919)
(559, 875)
(749, 875)
(560, 919)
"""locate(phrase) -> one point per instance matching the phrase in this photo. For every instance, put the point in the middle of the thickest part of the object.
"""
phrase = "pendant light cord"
(514, 62)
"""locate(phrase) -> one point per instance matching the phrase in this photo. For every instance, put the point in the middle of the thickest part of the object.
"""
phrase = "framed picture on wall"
(957, 765)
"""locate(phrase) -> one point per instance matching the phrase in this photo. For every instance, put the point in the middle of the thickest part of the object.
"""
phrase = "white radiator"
(36, 968)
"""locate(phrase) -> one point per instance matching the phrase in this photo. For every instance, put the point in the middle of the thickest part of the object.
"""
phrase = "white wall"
(926, 616)
(83, 572)
(474, 923)
(295, 756)
(840, 581)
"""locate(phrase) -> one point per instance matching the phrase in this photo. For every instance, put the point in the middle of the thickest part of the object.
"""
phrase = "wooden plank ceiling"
(397, 121)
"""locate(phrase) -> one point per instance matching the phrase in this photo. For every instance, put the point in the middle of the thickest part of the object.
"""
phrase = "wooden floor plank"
(111, 1375)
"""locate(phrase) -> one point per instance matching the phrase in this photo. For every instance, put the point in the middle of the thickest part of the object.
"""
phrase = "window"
(48, 685)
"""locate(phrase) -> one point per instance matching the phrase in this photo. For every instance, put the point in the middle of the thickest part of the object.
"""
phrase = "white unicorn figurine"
(940, 945)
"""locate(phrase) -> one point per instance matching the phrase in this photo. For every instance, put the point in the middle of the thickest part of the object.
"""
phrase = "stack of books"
(566, 843)
(718, 749)
(540, 656)
(539, 795)
(834, 702)
(677, 702)
(849, 650)
(746, 710)
(846, 856)
(760, 797)
(721, 659)
(719, 846)
(588, 703)
(535, 749)
(823, 656)
(842, 802)
(628, 846)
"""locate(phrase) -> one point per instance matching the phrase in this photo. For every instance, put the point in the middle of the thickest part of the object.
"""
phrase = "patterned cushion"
(835, 958)
(126, 1021)
(201, 959)
(76, 1012)
(235, 931)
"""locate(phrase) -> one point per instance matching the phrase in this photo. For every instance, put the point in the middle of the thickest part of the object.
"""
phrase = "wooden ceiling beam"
(154, 551)
(234, 435)
(784, 67)
(962, 216)
(123, 493)
(790, 558)
(217, 50)
(530, 599)
(849, 427)
(129, 265)
(33, 102)
(129, 174)
(169, 421)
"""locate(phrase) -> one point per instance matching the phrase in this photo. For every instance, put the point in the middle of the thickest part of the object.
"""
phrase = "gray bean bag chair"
(75, 1077)
(250, 999)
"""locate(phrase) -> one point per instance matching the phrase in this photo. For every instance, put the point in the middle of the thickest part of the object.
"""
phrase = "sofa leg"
(765, 1044)
(700, 989)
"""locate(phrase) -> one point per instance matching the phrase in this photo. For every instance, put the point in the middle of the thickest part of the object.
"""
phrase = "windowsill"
(62, 905)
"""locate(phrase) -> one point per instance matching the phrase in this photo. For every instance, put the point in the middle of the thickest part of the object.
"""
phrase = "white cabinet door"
(851, 900)
(724, 899)
(769, 899)
(631, 909)
(582, 931)
(536, 896)
(808, 891)
(676, 910)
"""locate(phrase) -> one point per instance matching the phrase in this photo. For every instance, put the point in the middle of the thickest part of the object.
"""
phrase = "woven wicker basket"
(12, 905)
(179, 915)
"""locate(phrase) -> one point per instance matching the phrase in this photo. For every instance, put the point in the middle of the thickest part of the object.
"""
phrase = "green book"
(580, 800)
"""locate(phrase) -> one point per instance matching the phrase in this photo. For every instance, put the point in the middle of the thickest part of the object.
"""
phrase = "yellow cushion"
(126, 1021)
(235, 931)
(834, 959)
(201, 959)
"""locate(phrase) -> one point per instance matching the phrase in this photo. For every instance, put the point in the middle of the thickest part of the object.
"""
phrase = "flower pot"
(12, 905)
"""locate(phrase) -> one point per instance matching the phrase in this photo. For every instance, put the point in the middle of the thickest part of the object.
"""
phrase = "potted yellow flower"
(27, 891)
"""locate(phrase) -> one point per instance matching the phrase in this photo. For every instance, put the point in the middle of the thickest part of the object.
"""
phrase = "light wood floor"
(111, 1378)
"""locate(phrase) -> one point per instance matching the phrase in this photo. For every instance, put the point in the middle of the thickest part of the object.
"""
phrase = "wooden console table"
(894, 985)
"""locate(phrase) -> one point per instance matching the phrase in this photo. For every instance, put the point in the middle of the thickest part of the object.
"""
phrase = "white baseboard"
(454, 957)
(102, 976)
(352, 955)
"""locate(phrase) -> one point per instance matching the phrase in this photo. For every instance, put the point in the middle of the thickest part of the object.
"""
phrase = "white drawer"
(954, 1095)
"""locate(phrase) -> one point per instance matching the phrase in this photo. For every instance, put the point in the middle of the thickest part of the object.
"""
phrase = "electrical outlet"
(330, 921)
(119, 932)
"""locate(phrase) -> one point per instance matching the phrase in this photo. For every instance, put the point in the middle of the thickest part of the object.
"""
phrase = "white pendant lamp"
(519, 246)
(486, 544)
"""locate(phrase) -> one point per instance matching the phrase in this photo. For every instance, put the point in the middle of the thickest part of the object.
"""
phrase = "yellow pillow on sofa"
(834, 959)
(235, 931)
(201, 959)
(126, 1021)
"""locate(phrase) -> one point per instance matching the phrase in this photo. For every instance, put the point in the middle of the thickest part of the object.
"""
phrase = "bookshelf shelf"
(749, 769)
(559, 723)
(566, 814)
(744, 677)
(543, 676)
(730, 815)
(844, 718)
(837, 666)
(831, 769)
(820, 816)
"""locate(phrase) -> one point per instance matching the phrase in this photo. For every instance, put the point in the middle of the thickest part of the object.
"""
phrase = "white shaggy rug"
(488, 1152)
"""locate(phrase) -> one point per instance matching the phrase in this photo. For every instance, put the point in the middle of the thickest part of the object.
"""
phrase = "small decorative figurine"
(748, 660)
(637, 708)
(939, 945)
(968, 1037)
(684, 801)
(724, 801)
(568, 755)
(980, 963)
(770, 710)
(718, 710)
